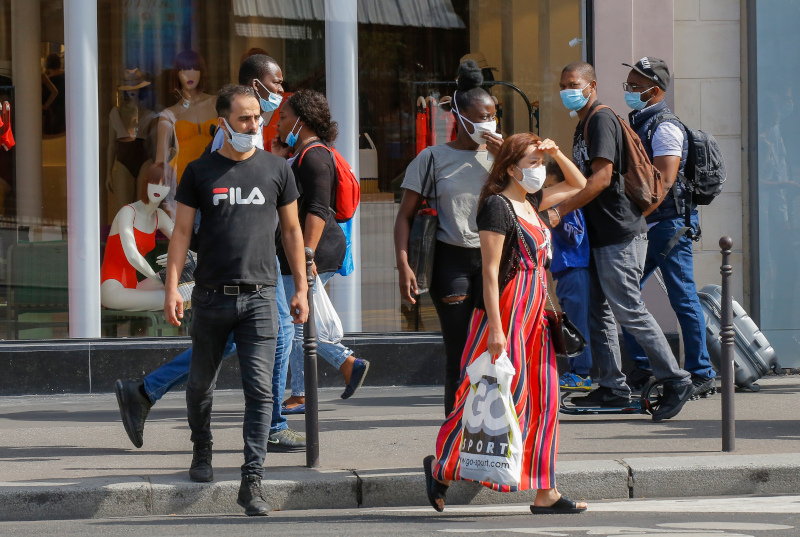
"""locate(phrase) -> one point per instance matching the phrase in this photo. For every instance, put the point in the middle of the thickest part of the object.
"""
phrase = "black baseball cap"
(653, 69)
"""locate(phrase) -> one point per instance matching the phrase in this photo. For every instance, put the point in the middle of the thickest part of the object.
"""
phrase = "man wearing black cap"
(618, 242)
(665, 141)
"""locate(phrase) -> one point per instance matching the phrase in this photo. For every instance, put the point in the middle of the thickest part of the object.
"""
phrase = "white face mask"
(157, 193)
(240, 142)
(478, 128)
(532, 178)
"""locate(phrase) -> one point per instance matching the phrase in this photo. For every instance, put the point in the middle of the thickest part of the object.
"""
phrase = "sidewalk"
(69, 457)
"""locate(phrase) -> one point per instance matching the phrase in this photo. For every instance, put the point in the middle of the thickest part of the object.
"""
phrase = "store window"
(33, 200)
(407, 63)
(778, 186)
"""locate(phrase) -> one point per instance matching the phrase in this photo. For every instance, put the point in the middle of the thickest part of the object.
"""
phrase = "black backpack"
(703, 175)
(704, 172)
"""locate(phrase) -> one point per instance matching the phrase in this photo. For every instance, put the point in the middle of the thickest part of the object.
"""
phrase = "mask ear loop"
(460, 117)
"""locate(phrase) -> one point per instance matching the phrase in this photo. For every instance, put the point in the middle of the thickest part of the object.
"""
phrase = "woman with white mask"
(510, 320)
(132, 236)
(458, 171)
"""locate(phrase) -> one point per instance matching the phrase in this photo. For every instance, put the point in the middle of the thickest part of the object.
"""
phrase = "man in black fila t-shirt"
(239, 190)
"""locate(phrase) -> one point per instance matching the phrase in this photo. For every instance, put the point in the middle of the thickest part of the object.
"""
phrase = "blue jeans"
(572, 291)
(252, 317)
(173, 373)
(333, 353)
(616, 273)
(678, 273)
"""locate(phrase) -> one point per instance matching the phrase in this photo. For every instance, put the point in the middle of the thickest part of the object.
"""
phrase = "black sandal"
(436, 491)
(563, 506)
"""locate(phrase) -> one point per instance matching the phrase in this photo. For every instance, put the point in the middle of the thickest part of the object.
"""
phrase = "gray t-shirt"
(459, 175)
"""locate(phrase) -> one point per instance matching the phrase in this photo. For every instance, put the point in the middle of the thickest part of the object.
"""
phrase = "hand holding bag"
(568, 342)
(491, 439)
(422, 239)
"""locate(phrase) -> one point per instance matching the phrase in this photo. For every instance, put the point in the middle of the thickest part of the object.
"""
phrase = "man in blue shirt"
(570, 267)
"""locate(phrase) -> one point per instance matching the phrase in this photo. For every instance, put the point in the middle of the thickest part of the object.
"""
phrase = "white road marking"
(739, 526)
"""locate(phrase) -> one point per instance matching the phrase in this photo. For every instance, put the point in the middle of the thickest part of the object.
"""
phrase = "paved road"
(777, 516)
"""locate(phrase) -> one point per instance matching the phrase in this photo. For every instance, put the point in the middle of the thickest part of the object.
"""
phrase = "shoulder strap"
(427, 174)
(305, 149)
(586, 122)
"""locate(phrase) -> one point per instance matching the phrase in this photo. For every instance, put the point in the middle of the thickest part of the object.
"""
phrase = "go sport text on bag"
(643, 183)
(348, 191)
(422, 238)
(491, 439)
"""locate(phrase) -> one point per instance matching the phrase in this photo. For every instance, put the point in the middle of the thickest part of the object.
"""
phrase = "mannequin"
(186, 128)
(132, 236)
(129, 125)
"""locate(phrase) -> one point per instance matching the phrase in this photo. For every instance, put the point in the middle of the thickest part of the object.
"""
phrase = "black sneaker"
(360, 368)
(251, 497)
(602, 396)
(673, 400)
(637, 378)
(201, 470)
(133, 407)
(286, 441)
(703, 387)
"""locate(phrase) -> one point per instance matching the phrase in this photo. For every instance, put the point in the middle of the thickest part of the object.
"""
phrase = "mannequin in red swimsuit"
(133, 234)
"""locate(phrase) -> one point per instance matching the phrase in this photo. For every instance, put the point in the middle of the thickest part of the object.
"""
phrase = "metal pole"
(83, 167)
(341, 73)
(727, 338)
(310, 370)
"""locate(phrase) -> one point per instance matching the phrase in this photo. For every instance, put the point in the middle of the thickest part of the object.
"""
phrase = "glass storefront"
(778, 81)
(408, 52)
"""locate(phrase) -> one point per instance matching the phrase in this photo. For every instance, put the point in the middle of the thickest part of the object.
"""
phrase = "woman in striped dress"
(515, 245)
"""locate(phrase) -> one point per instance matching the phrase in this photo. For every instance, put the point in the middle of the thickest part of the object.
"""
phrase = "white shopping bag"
(491, 440)
(329, 326)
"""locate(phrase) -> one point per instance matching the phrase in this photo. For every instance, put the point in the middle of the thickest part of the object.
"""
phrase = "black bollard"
(310, 369)
(727, 339)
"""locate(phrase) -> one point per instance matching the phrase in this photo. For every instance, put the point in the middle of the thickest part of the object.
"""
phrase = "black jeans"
(253, 320)
(456, 272)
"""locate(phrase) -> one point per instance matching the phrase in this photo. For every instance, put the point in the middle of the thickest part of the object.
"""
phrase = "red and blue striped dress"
(535, 384)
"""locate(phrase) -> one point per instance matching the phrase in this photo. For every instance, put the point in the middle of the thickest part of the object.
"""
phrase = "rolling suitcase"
(753, 355)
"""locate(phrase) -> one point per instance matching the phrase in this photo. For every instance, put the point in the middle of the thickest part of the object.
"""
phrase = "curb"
(663, 477)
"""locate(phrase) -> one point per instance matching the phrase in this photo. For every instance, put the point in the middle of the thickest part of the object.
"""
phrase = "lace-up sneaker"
(703, 387)
(286, 441)
(201, 470)
(573, 382)
(251, 497)
(637, 378)
(133, 408)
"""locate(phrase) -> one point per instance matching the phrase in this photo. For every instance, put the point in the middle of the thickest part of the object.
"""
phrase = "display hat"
(653, 69)
(133, 79)
(477, 57)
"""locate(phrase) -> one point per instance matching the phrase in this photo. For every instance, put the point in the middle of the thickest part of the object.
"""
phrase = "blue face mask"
(574, 99)
(291, 138)
(634, 100)
(271, 104)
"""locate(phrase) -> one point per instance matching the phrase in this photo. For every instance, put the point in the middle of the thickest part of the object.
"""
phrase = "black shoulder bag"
(422, 239)
(568, 342)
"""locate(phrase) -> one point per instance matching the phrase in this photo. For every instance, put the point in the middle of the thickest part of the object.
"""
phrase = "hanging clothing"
(115, 263)
(7, 136)
(422, 129)
(534, 388)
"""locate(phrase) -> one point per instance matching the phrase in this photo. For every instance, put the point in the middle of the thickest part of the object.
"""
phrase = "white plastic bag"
(329, 326)
(491, 440)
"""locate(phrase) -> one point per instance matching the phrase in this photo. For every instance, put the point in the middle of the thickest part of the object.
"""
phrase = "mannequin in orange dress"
(186, 128)
(132, 236)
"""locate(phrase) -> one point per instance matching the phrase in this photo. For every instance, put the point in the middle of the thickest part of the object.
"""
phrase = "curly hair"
(312, 107)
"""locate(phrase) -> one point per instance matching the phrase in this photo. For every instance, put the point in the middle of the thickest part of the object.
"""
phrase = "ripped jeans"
(456, 273)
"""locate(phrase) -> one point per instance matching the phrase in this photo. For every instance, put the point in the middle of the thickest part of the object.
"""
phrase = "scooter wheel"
(652, 396)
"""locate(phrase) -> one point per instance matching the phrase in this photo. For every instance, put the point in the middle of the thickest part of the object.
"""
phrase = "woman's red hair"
(511, 152)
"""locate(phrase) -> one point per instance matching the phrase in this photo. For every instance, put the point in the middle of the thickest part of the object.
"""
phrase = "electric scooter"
(647, 403)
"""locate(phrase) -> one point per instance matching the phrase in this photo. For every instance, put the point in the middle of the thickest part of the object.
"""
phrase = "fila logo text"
(234, 196)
